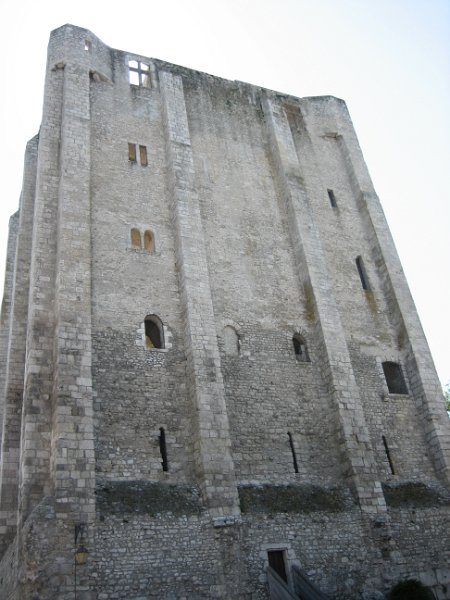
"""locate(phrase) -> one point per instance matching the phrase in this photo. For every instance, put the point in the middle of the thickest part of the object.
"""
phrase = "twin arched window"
(149, 240)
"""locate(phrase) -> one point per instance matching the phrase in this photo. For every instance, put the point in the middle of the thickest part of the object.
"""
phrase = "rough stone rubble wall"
(247, 244)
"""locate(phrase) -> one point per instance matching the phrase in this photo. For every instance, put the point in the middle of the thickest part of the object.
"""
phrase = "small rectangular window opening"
(388, 455)
(163, 448)
(134, 78)
(294, 456)
(394, 378)
(132, 152)
(332, 198)
(87, 45)
(139, 73)
(143, 155)
(362, 273)
(277, 562)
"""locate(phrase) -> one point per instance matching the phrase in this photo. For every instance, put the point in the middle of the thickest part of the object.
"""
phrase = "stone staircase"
(304, 589)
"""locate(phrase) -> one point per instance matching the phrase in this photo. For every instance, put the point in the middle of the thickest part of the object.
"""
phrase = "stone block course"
(179, 467)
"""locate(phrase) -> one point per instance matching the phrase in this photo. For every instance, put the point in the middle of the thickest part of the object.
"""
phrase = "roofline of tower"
(181, 69)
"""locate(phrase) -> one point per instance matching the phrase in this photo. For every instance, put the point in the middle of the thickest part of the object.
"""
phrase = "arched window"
(149, 241)
(154, 332)
(300, 348)
(231, 341)
(136, 241)
(394, 378)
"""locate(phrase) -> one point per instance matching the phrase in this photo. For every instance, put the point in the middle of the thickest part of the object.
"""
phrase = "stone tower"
(211, 361)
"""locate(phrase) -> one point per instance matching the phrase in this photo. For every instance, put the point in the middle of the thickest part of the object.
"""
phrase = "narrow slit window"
(163, 449)
(394, 378)
(87, 45)
(132, 152)
(388, 455)
(294, 455)
(300, 348)
(332, 198)
(277, 561)
(149, 241)
(362, 273)
(154, 334)
(143, 155)
(136, 238)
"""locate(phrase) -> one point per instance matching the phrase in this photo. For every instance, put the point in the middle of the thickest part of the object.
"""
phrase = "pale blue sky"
(389, 60)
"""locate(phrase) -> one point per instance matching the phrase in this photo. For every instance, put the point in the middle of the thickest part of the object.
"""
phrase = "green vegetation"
(410, 589)
(447, 396)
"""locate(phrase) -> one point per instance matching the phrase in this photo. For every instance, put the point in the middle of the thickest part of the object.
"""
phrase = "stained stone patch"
(143, 497)
(294, 499)
(415, 494)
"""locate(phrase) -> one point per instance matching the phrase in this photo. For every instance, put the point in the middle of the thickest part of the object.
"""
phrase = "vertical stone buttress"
(5, 323)
(57, 457)
(15, 366)
(34, 476)
(212, 446)
(73, 464)
(422, 374)
(353, 434)
(5, 318)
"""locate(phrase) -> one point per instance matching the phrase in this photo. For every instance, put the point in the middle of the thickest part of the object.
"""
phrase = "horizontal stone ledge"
(146, 497)
(295, 498)
(415, 494)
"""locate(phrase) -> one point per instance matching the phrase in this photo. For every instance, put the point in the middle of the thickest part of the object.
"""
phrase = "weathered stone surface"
(415, 495)
(202, 296)
(144, 497)
(294, 499)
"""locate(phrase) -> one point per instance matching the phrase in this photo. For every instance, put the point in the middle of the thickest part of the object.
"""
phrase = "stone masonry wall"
(230, 217)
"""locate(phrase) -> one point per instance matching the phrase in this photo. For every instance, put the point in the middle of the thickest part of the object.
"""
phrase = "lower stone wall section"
(346, 554)
(172, 550)
(169, 557)
(422, 538)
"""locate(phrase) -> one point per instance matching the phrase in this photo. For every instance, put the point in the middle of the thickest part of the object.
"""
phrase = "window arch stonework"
(231, 341)
(136, 240)
(300, 348)
(154, 332)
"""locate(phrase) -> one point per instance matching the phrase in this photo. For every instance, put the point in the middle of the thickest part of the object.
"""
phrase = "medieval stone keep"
(215, 382)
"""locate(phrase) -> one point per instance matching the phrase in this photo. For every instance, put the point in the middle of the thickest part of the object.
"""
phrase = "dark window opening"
(143, 155)
(132, 152)
(394, 378)
(139, 73)
(388, 455)
(163, 448)
(294, 456)
(87, 45)
(136, 238)
(154, 337)
(362, 273)
(332, 198)
(300, 348)
(277, 562)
